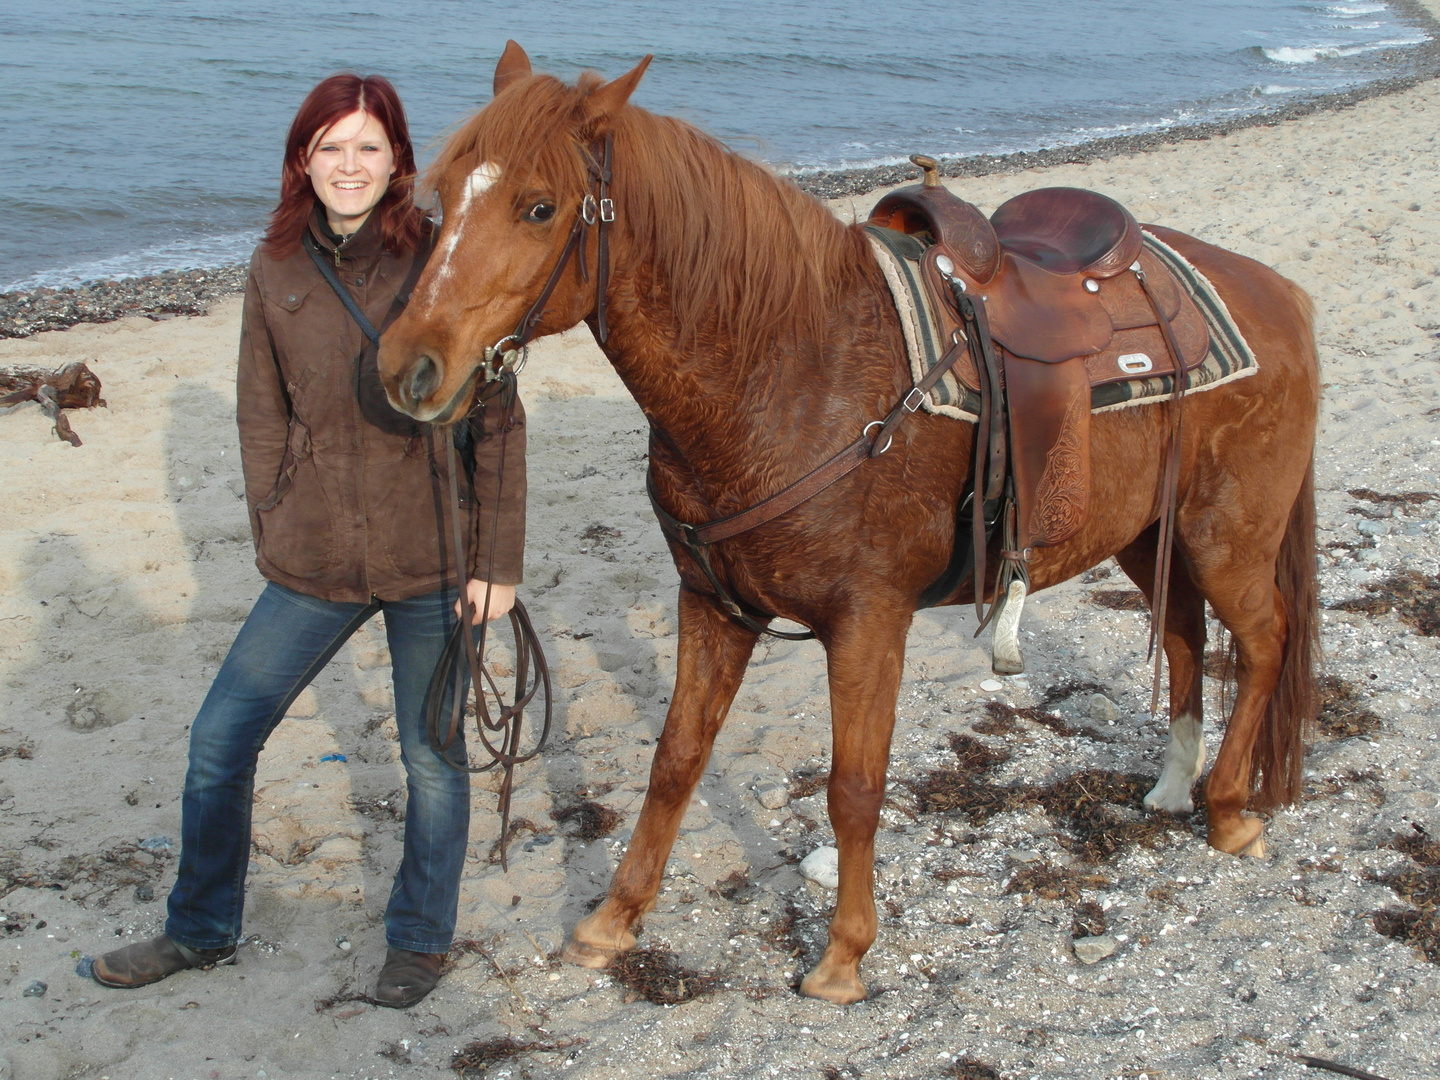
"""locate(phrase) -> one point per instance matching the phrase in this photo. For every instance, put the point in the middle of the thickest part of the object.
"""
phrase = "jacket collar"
(362, 245)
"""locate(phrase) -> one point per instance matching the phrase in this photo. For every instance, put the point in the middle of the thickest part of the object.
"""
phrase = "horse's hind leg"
(1184, 644)
(864, 657)
(713, 652)
(1247, 601)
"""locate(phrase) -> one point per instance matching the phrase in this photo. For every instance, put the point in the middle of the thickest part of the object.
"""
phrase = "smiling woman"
(342, 493)
(350, 168)
(352, 130)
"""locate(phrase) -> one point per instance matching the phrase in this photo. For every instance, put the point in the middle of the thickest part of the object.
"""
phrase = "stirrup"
(1005, 658)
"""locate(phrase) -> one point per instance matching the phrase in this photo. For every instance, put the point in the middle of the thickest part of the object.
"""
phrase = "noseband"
(597, 209)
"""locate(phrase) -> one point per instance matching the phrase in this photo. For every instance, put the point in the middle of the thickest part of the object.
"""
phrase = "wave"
(1310, 54)
(202, 253)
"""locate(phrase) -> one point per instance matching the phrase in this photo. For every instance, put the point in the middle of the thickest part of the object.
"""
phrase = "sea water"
(147, 135)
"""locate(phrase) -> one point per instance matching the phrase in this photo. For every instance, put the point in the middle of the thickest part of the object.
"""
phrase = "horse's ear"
(514, 64)
(604, 102)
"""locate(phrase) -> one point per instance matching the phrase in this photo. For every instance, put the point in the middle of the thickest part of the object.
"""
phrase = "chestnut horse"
(756, 332)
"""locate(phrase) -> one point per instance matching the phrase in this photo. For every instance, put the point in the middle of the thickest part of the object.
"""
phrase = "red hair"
(331, 101)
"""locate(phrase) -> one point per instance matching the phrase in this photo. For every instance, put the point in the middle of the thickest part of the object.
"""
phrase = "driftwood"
(73, 386)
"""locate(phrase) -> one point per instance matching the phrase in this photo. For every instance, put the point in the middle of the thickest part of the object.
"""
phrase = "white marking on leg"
(485, 176)
(1005, 658)
(1184, 760)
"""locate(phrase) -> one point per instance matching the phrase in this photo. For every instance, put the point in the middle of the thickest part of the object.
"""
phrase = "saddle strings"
(1165, 546)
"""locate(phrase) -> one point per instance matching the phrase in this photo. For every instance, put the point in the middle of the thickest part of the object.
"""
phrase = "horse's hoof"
(595, 941)
(838, 989)
(1167, 798)
(1240, 838)
(588, 956)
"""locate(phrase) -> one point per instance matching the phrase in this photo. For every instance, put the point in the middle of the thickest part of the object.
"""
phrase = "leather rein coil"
(500, 734)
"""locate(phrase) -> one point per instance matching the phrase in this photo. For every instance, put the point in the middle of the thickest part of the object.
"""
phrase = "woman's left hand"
(502, 599)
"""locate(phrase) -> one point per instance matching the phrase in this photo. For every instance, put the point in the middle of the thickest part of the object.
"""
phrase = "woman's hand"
(502, 599)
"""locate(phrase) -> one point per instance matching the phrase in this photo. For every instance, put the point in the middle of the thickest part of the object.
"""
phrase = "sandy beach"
(126, 568)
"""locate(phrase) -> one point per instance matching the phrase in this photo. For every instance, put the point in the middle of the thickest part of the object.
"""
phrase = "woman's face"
(350, 165)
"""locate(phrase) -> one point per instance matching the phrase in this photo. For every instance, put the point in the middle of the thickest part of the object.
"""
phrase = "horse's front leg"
(865, 656)
(713, 652)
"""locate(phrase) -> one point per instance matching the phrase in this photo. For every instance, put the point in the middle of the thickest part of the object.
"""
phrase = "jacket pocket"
(296, 525)
(297, 449)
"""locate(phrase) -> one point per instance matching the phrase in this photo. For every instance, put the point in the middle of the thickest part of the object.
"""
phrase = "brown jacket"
(340, 508)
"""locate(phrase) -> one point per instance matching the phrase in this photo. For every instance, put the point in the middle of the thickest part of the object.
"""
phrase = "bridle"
(596, 209)
(501, 733)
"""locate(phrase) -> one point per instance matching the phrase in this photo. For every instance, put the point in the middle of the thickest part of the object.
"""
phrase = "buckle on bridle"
(607, 210)
(888, 438)
(588, 209)
(507, 358)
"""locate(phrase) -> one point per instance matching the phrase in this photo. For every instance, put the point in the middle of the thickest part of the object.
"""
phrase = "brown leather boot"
(407, 977)
(150, 961)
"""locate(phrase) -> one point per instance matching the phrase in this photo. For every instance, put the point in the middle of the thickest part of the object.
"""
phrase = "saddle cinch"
(1069, 300)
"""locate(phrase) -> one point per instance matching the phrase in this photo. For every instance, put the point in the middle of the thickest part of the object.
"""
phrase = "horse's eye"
(541, 211)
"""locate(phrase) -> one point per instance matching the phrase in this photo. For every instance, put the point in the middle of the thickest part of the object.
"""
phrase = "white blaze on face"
(485, 176)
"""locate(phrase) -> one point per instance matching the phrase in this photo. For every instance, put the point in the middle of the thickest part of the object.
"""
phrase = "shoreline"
(192, 291)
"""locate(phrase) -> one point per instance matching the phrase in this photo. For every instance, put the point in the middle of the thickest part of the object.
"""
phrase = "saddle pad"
(898, 254)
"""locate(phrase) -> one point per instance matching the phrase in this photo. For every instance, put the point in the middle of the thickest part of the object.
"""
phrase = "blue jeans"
(286, 641)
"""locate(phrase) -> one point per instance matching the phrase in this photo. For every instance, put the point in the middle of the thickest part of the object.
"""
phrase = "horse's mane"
(740, 253)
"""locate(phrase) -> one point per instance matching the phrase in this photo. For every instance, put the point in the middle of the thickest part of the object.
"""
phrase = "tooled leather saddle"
(1069, 300)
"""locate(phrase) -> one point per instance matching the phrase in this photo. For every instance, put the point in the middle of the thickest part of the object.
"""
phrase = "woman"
(345, 497)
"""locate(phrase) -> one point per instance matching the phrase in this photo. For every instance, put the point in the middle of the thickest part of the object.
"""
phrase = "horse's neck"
(739, 417)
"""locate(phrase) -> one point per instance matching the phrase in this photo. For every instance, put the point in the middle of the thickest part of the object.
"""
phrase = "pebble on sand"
(822, 866)
(771, 795)
(1102, 709)
(1091, 950)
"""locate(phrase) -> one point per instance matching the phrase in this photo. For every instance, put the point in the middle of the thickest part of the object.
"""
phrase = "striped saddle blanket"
(1229, 357)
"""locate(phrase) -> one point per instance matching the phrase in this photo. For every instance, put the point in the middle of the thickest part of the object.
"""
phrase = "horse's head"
(512, 184)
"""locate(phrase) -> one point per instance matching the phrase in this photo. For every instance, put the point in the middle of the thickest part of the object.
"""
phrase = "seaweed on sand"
(1410, 594)
(655, 974)
(1091, 804)
(1343, 714)
(592, 821)
(1001, 716)
(1051, 882)
(1119, 599)
(474, 1059)
(1418, 926)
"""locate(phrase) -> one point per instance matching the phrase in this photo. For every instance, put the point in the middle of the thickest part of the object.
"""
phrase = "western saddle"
(1069, 299)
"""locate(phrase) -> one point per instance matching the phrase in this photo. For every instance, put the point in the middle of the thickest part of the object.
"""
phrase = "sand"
(126, 568)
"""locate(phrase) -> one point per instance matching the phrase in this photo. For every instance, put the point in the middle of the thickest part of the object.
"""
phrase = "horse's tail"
(1277, 763)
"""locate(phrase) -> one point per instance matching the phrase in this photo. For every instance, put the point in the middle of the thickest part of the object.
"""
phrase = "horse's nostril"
(424, 380)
